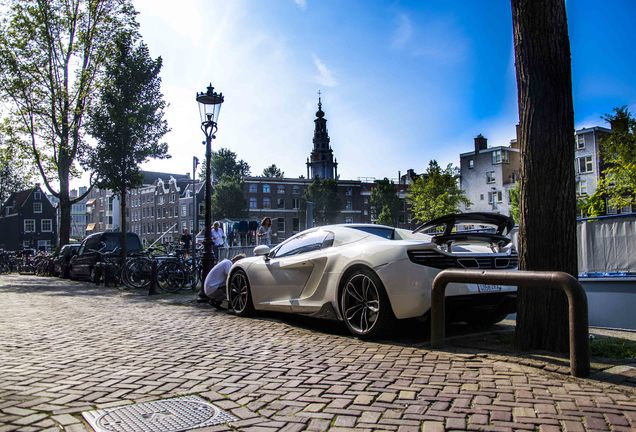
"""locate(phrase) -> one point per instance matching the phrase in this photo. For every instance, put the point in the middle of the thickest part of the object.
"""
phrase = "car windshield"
(302, 243)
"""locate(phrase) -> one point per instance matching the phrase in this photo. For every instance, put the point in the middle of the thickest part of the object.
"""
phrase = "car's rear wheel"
(239, 294)
(364, 304)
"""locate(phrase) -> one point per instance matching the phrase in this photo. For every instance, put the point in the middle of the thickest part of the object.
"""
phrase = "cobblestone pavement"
(67, 347)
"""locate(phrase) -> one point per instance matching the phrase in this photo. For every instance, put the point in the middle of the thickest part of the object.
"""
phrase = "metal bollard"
(577, 305)
(152, 288)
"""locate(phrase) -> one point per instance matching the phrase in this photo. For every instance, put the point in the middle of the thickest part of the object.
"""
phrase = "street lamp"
(209, 108)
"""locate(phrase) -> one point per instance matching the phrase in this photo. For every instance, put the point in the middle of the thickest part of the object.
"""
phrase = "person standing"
(264, 233)
(218, 238)
(186, 240)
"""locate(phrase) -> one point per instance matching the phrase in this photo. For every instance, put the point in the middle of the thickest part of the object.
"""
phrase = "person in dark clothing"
(186, 240)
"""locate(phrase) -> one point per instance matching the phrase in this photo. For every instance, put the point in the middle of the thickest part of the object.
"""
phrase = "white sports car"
(368, 275)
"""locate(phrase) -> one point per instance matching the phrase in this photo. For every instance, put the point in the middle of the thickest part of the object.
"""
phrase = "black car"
(82, 265)
(62, 259)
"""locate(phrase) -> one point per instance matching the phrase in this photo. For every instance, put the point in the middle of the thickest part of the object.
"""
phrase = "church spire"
(321, 162)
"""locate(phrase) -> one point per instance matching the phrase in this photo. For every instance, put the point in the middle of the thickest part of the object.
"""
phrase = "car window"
(304, 243)
(387, 233)
(91, 242)
(112, 242)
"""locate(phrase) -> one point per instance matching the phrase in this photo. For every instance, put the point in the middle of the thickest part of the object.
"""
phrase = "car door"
(85, 257)
(279, 279)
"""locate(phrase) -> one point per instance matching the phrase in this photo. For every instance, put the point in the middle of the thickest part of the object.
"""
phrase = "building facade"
(28, 220)
(487, 174)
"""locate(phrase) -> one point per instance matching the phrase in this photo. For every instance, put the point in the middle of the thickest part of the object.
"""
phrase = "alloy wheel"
(361, 303)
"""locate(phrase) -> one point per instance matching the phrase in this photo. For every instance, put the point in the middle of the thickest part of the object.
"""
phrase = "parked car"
(62, 259)
(368, 275)
(82, 265)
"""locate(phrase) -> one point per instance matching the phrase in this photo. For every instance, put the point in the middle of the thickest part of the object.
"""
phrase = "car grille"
(436, 259)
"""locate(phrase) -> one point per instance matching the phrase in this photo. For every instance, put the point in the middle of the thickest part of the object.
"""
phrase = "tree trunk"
(122, 224)
(547, 228)
(65, 213)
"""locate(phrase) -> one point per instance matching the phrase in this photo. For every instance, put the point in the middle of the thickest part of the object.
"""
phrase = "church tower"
(321, 162)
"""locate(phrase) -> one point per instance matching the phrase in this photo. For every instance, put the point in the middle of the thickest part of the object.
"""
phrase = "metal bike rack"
(577, 305)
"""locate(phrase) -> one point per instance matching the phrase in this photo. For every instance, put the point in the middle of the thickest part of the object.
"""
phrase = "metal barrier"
(577, 305)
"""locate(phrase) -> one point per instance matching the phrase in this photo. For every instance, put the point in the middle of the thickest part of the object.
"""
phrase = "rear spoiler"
(503, 223)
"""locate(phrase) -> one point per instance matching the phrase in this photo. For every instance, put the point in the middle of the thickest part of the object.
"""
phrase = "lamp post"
(209, 108)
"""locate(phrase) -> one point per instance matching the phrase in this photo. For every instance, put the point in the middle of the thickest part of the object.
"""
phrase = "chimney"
(481, 143)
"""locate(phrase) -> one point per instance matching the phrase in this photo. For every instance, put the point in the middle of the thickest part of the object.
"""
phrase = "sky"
(402, 82)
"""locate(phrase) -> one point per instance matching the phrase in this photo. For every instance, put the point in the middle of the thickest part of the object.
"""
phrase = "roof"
(17, 199)
(149, 177)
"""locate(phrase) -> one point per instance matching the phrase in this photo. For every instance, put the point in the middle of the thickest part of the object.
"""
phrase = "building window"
(280, 203)
(296, 190)
(280, 189)
(348, 220)
(281, 224)
(29, 225)
(481, 197)
(266, 188)
(46, 225)
(160, 200)
(584, 165)
(37, 207)
(348, 204)
(252, 202)
(267, 203)
(295, 224)
(580, 142)
(252, 188)
(471, 163)
(349, 191)
(581, 187)
(295, 203)
(490, 177)
(37, 195)
(44, 245)
(610, 208)
(26, 244)
(499, 156)
(184, 210)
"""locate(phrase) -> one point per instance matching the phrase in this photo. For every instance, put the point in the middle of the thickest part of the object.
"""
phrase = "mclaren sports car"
(368, 275)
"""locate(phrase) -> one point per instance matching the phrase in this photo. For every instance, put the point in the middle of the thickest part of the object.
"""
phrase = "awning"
(90, 201)
(90, 227)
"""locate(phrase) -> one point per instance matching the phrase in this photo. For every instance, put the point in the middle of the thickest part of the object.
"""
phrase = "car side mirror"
(261, 250)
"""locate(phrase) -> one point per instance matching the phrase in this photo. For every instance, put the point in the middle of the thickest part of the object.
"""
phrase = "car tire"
(93, 276)
(240, 295)
(365, 307)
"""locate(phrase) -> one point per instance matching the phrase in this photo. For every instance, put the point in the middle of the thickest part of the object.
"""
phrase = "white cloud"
(403, 31)
(325, 75)
(301, 3)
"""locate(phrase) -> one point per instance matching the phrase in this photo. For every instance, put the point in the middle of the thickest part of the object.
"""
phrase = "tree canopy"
(273, 171)
(127, 120)
(52, 55)
(386, 202)
(228, 200)
(327, 202)
(17, 171)
(617, 183)
(435, 193)
(225, 164)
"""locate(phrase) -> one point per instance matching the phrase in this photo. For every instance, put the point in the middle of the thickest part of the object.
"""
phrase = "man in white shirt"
(218, 238)
(215, 282)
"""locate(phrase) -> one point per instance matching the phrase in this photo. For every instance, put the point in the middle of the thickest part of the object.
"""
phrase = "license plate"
(488, 288)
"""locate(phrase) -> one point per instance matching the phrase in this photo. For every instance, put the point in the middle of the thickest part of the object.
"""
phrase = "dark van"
(82, 264)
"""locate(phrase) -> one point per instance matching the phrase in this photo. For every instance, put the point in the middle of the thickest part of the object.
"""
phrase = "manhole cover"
(168, 415)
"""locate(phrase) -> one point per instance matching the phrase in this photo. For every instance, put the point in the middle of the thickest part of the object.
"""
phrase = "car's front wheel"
(239, 295)
(364, 305)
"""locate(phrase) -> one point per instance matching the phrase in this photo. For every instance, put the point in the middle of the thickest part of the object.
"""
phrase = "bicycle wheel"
(171, 277)
(136, 273)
